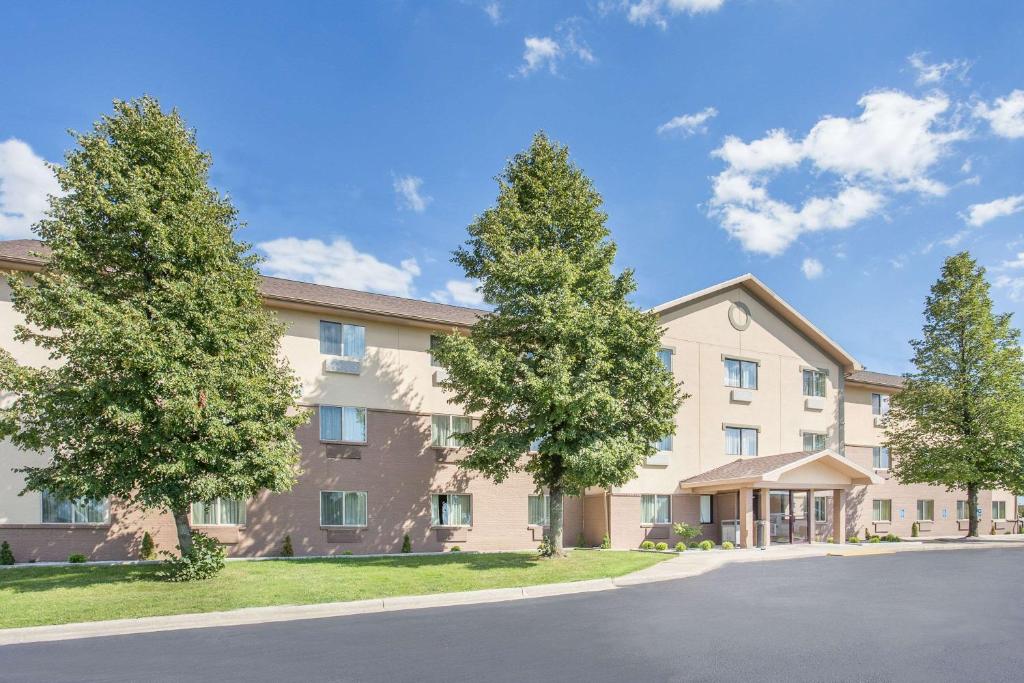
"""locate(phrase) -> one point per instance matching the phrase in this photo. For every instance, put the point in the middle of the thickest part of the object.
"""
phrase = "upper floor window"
(925, 510)
(814, 382)
(451, 509)
(445, 430)
(435, 339)
(219, 512)
(342, 423)
(337, 339)
(880, 459)
(655, 509)
(998, 509)
(814, 442)
(665, 356)
(879, 404)
(740, 441)
(664, 444)
(82, 511)
(881, 510)
(343, 508)
(537, 510)
(741, 374)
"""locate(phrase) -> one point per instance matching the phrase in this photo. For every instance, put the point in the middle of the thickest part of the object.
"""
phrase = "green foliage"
(687, 532)
(546, 548)
(706, 545)
(581, 540)
(564, 356)
(680, 547)
(148, 549)
(202, 561)
(606, 542)
(165, 386)
(915, 530)
(347, 552)
(77, 558)
(287, 550)
(853, 539)
(661, 546)
(456, 549)
(959, 420)
(693, 545)
(829, 539)
(647, 545)
(891, 538)
(874, 539)
(6, 554)
(406, 544)
(727, 545)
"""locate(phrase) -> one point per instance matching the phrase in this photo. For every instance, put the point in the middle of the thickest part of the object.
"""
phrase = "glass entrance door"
(800, 508)
(778, 516)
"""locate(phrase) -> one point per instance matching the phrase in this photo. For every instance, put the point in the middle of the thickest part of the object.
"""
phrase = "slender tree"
(564, 358)
(958, 420)
(165, 386)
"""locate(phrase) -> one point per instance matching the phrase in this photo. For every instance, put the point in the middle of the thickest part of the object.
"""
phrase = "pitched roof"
(304, 293)
(773, 301)
(876, 378)
(769, 468)
(745, 468)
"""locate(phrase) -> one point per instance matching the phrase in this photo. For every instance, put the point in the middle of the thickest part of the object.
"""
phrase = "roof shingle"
(877, 378)
(745, 468)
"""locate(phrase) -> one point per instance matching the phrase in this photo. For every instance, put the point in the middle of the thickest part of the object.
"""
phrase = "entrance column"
(746, 515)
(811, 537)
(765, 515)
(839, 516)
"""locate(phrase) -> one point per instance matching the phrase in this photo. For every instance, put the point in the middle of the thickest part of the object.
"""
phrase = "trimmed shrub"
(874, 539)
(406, 544)
(647, 545)
(829, 539)
(455, 549)
(693, 545)
(915, 530)
(347, 552)
(606, 542)
(661, 546)
(687, 532)
(891, 538)
(854, 540)
(706, 545)
(6, 556)
(202, 562)
(77, 558)
(148, 549)
(546, 547)
(727, 545)
(680, 547)
(286, 548)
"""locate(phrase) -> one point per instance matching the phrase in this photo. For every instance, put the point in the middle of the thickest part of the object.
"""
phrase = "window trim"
(349, 442)
(105, 522)
(450, 418)
(824, 385)
(342, 325)
(919, 518)
(881, 399)
(967, 509)
(671, 357)
(880, 500)
(547, 510)
(741, 361)
(888, 454)
(700, 509)
(757, 430)
(810, 432)
(245, 513)
(1001, 518)
(320, 498)
(451, 526)
(644, 524)
(825, 508)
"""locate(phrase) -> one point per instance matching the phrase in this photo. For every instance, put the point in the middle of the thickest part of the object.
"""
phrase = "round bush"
(706, 545)
(204, 560)
(853, 539)
(456, 549)
(661, 546)
(77, 558)
(693, 545)
(727, 545)
(647, 545)
(680, 547)
(874, 539)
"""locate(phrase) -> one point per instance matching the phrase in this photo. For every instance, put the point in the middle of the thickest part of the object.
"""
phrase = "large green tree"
(164, 385)
(959, 419)
(564, 358)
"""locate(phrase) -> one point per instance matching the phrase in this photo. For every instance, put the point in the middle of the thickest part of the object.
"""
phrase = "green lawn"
(34, 596)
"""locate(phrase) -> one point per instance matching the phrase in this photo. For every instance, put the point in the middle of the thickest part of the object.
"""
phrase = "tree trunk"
(972, 513)
(557, 530)
(184, 530)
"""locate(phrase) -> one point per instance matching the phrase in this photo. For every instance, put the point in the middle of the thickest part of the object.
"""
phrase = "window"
(881, 510)
(451, 509)
(435, 339)
(665, 444)
(705, 509)
(342, 340)
(880, 457)
(665, 356)
(222, 511)
(538, 508)
(339, 423)
(445, 430)
(879, 404)
(741, 374)
(740, 441)
(82, 511)
(925, 510)
(654, 509)
(814, 382)
(343, 508)
(961, 509)
(814, 442)
(998, 509)
(821, 506)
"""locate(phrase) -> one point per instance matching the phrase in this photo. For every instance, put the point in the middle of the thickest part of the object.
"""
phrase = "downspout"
(842, 412)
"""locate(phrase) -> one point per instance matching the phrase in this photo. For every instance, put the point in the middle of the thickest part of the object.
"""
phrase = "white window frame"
(547, 510)
(742, 361)
(824, 441)
(876, 457)
(665, 441)
(452, 442)
(966, 508)
(366, 426)
(343, 525)
(998, 517)
(757, 439)
(75, 510)
(433, 502)
(879, 404)
(930, 502)
(433, 337)
(665, 356)
(817, 372)
(709, 518)
(655, 522)
(345, 353)
(825, 500)
(874, 514)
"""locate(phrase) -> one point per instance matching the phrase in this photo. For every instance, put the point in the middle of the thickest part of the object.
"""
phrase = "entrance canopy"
(799, 470)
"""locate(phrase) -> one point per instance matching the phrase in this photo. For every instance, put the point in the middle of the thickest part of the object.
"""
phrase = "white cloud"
(548, 52)
(1013, 284)
(338, 264)
(409, 195)
(812, 268)
(654, 11)
(460, 292)
(493, 12)
(980, 214)
(891, 147)
(25, 183)
(931, 74)
(1005, 115)
(689, 124)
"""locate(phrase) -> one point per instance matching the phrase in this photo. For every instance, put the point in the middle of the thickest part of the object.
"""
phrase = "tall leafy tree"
(958, 420)
(165, 386)
(564, 358)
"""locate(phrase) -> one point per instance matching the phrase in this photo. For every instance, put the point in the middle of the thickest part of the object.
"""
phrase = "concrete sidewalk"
(690, 563)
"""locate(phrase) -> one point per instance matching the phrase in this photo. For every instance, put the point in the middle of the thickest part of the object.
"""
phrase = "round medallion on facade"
(739, 315)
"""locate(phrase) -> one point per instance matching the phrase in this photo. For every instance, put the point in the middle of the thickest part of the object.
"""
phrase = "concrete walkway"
(688, 564)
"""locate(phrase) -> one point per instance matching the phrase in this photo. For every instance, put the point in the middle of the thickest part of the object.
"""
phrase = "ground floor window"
(881, 510)
(814, 442)
(655, 509)
(925, 510)
(962, 510)
(880, 458)
(222, 511)
(821, 506)
(998, 509)
(705, 509)
(451, 509)
(82, 511)
(538, 508)
(740, 441)
(343, 508)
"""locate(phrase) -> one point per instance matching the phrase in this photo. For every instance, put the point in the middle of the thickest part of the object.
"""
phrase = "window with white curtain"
(338, 339)
(814, 382)
(741, 374)
(655, 509)
(538, 510)
(705, 509)
(925, 510)
(343, 508)
(665, 356)
(445, 430)
(879, 404)
(821, 506)
(451, 509)
(343, 423)
(740, 441)
(962, 510)
(81, 511)
(814, 442)
(881, 510)
(880, 457)
(998, 509)
(664, 444)
(219, 512)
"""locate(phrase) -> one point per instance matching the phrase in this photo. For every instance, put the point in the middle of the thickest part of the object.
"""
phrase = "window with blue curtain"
(665, 356)
(338, 339)
(343, 423)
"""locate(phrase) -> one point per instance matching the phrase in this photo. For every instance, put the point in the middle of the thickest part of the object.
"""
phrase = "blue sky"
(837, 150)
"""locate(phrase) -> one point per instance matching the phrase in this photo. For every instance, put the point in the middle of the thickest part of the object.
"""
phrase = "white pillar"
(839, 516)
